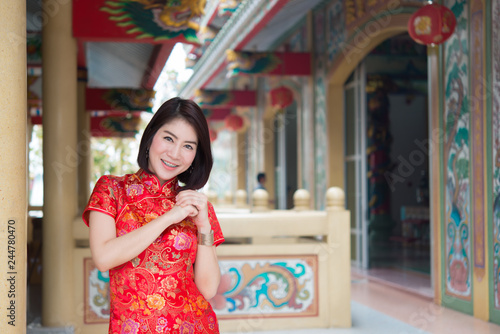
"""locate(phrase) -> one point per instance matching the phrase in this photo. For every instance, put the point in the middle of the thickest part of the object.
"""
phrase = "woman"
(156, 237)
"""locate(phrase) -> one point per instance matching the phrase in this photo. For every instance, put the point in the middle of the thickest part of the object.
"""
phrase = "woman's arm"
(109, 251)
(206, 265)
(207, 271)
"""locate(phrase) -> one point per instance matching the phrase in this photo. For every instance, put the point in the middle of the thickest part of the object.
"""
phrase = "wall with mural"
(321, 138)
(495, 130)
(457, 223)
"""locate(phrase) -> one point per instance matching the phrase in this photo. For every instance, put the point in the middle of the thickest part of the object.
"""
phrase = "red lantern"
(234, 122)
(281, 97)
(432, 24)
(213, 134)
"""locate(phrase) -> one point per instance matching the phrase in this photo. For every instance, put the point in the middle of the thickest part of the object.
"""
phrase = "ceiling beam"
(157, 61)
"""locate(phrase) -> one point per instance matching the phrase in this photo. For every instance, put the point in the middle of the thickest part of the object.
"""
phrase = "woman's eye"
(189, 147)
(169, 138)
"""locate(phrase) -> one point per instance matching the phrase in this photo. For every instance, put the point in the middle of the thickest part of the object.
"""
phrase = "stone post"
(301, 200)
(339, 256)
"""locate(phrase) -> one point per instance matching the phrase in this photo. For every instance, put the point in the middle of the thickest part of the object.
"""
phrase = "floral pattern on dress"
(154, 292)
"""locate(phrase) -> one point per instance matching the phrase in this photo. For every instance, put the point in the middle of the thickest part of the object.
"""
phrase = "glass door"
(355, 164)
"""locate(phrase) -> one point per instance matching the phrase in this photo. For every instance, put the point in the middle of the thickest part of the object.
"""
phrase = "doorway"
(387, 164)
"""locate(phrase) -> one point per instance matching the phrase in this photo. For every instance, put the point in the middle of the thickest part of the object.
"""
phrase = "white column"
(60, 163)
(13, 158)
(83, 147)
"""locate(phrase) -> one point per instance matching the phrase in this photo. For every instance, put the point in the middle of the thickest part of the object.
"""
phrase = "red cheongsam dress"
(154, 292)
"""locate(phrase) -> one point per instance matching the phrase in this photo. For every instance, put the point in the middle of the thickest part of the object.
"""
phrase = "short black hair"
(261, 176)
(189, 111)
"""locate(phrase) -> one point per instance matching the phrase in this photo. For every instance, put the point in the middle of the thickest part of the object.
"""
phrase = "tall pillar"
(241, 152)
(269, 157)
(60, 162)
(13, 157)
(83, 146)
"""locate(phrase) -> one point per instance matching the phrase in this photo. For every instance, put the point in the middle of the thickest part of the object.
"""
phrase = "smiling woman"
(141, 222)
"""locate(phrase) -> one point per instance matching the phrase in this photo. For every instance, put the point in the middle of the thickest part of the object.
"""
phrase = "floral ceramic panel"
(277, 286)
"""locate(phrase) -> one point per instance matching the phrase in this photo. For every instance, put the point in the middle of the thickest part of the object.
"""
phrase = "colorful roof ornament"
(268, 63)
(139, 20)
(228, 7)
(119, 99)
(208, 98)
(115, 125)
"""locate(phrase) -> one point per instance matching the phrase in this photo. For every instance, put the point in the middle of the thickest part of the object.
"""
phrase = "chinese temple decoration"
(213, 134)
(120, 99)
(228, 7)
(268, 63)
(234, 122)
(281, 97)
(190, 61)
(432, 24)
(34, 48)
(128, 20)
(207, 34)
(216, 114)
(115, 124)
(34, 94)
(34, 98)
(241, 62)
(207, 98)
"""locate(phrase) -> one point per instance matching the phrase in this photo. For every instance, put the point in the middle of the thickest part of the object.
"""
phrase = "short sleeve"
(214, 222)
(102, 199)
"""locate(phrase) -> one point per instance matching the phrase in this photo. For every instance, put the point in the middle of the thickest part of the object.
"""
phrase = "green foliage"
(450, 161)
(450, 119)
(115, 156)
(452, 76)
(462, 136)
(462, 168)
(451, 47)
(458, 8)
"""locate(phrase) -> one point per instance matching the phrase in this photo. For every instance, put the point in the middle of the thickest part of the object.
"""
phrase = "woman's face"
(172, 150)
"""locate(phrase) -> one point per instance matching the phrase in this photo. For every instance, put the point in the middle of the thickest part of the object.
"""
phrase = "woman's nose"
(174, 151)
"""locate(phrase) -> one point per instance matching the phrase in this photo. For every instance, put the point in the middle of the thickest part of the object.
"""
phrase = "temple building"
(376, 123)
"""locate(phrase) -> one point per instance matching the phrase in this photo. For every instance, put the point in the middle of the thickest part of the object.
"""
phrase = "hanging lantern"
(432, 24)
(213, 134)
(281, 97)
(234, 122)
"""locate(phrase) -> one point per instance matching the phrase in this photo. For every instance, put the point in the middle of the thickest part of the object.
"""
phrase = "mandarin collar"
(152, 184)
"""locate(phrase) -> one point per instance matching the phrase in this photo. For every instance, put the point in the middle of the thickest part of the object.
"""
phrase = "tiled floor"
(392, 301)
(410, 281)
(418, 311)
(380, 304)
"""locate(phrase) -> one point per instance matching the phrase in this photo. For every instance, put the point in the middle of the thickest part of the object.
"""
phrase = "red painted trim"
(214, 74)
(267, 17)
(157, 61)
(81, 56)
(214, 14)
